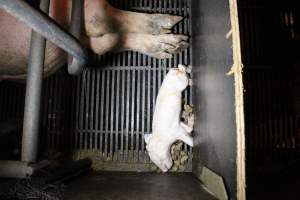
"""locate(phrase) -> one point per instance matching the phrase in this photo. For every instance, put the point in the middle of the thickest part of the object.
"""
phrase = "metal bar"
(189, 31)
(186, 28)
(122, 113)
(102, 108)
(134, 105)
(176, 30)
(149, 127)
(97, 109)
(92, 117)
(185, 53)
(81, 114)
(75, 67)
(47, 27)
(108, 132)
(127, 115)
(107, 114)
(139, 102)
(138, 97)
(154, 85)
(112, 113)
(15, 169)
(144, 64)
(133, 110)
(33, 93)
(143, 112)
(117, 115)
(87, 116)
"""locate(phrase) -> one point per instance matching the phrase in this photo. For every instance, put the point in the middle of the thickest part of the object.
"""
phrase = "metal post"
(47, 27)
(75, 30)
(33, 93)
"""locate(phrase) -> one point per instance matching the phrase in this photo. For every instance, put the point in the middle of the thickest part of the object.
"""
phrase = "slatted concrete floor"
(136, 186)
(109, 108)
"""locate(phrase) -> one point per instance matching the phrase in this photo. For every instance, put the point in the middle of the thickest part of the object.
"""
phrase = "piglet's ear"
(181, 67)
(147, 138)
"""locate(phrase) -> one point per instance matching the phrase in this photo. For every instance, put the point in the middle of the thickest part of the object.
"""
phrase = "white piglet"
(167, 126)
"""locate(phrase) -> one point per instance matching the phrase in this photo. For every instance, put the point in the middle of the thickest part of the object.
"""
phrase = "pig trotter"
(154, 24)
(159, 46)
(118, 30)
(101, 18)
(166, 45)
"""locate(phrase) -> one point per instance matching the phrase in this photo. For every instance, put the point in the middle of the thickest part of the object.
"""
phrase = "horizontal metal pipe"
(15, 169)
(48, 28)
(34, 93)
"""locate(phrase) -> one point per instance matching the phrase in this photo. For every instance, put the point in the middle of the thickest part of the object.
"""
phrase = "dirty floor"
(136, 186)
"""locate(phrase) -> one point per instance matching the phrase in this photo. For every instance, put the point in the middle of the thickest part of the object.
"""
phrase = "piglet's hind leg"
(147, 138)
(187, 128)
(183, 134)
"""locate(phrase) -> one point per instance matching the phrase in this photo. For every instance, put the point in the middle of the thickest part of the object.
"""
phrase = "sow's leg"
(111, 29)
(102, 18)
(158, 46)
(105, 29)
(15, 44)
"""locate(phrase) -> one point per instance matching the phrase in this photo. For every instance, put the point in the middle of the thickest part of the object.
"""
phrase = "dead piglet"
(167, 127)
